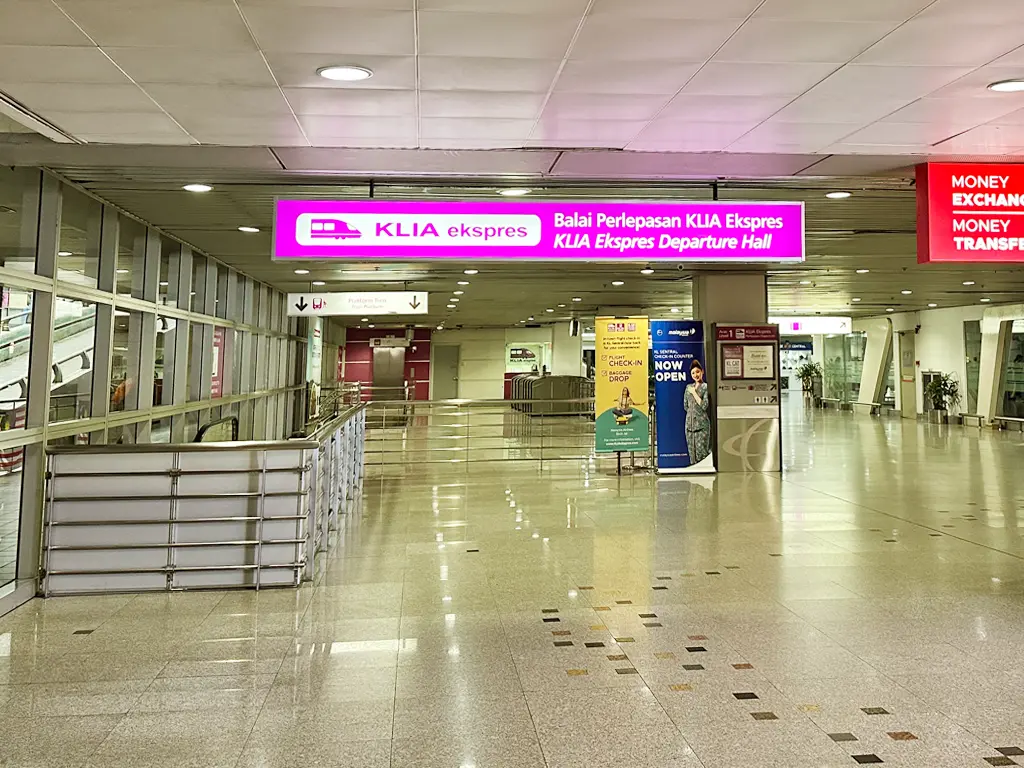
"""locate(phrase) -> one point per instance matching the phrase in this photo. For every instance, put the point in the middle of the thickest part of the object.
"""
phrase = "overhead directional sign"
(357, 303)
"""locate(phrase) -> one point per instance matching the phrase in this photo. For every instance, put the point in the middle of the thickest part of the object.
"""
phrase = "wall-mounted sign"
(747, 333)
(804, 326)
(970, 212)
(586, 231)
(357, 303)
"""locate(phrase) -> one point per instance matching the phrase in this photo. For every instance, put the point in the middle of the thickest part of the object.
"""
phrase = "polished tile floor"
(866, 609)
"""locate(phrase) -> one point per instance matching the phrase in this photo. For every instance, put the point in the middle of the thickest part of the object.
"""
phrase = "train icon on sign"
(331, 230)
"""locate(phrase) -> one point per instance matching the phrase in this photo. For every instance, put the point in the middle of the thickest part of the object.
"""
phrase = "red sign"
(970, 213)
(747, 332)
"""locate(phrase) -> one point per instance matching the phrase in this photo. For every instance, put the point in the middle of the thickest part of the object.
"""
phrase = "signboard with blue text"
(683, 409)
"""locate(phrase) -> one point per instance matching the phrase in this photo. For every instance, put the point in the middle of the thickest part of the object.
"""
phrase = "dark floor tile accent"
(563, 643)
(623, 602)
(659, 587)
(626, 671)
(874, 711)
(617, 657)
(774, 554)
(949, 526)
(935, 535)
(697, 637)
(648, 615)
(602, 608)
(867, 759)
(584, 588)
(890, 541)
(550, 620)
(1001, 760)
(83, 631)
(732, 567)
(746, 696)
(653, 624)
(693, 667)
(549, 610)
(594, 645)
(472, 550)
(696, 649)
(713, 573)
(902, 736)
(743, 666)
(764, 716)
(664, 578)
(1010, 751)
(624, 640)
(561, 632)
(840, 737)
(875, 530)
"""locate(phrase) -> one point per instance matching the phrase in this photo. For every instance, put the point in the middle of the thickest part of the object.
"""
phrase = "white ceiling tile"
(192, 66)
(987, 139)
(377, 5)
(340, 32)
(442, 73)
(964, 112)
(337, 101)
(480, 104)
(238, 101)
(527, 7)
(456, 144)
(80, 97)
(723, 109)
(774, 40)
(974, 85)
(299, 70)
(601, 132)
(609, 38)
(30, 22)
(602, 106)
(675, 9)
(1014, 118)
(321, 126)
(489, 34)
(57, 64)
(660, 165)
(888, 82)
(975, 12)
(638, 77)
(909, 134)
(408, 141)
(825, 107)
(677, 135)
(720, 79)
(875, 149)
(243, 131)
(823, 10)
(183, 23)
(819, 134)
(1014, 58)
(941, 43)
(128, 123)
(173, 137)
(476, 129)
(419, 163)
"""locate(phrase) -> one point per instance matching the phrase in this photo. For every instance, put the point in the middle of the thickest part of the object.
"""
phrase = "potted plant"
(944, 392)
(807, 373)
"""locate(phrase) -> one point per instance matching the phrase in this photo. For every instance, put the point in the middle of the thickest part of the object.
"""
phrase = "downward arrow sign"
(301, 306)
(415, 302)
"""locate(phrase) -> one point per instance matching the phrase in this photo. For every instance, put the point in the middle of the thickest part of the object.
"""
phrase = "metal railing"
(407, 434)
(122, 518)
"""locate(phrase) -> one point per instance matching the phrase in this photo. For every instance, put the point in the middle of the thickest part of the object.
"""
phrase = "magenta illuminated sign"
(540, 231)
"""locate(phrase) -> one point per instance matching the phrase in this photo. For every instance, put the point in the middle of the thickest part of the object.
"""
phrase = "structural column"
(730, 297)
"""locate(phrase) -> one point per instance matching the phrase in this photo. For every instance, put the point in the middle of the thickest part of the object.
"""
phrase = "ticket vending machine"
(747, 404)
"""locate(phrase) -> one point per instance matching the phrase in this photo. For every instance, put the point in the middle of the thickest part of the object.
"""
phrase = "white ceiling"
(789, 77)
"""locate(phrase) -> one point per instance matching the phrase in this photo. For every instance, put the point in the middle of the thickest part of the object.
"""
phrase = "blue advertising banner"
(681, 397)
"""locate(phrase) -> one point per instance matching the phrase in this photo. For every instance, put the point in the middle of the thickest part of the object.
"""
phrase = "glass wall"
(110, 340)
(972, 347)
(1012, 403)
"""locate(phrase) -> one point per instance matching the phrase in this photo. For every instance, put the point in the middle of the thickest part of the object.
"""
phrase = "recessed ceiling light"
(471, 271)
(906, 293)
(451, 306)
(364, 320)
(805, 282)
(458, 293)
(345, 73)
(933, 306)
(617, 283)
(837, 195)
(371, 325)
(123, 271)
(854, 300)
(674, 309)
(968, 282)
(889, 309)
(1007, 86)
(250, 230)
(319, 282)
(463, 282)
(440, 327)
(197, 187)
(863, 271)
(514, 192)
(549, 310)
(163, 283)
(301, 271)
(985, 301)
(63, 253)
(646, 271)
(454, 299)
(577, 298)
(530, 317)
(561, 306)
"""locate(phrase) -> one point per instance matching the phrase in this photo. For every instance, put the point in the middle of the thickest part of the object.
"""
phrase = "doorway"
(445, 372)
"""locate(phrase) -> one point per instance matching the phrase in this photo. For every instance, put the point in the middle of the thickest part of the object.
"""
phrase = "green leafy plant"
(807, 373)
(944, 391)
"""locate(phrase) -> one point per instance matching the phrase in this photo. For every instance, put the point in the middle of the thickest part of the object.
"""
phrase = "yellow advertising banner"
(621, 405)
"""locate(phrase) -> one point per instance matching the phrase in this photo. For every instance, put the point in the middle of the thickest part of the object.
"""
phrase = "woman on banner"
(698, 422)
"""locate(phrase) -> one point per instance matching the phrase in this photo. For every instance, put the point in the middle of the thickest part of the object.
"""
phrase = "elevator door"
(388, 373)
(908, 376)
